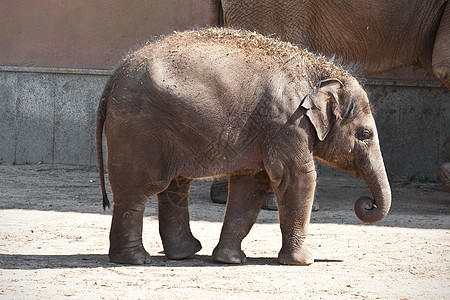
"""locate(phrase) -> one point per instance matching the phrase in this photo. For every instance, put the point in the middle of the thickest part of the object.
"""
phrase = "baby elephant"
(221, 101)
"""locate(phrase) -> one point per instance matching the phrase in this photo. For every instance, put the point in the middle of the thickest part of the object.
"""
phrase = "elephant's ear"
(322, 105)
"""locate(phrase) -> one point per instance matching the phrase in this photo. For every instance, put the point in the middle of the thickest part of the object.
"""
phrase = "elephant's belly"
(213, 162)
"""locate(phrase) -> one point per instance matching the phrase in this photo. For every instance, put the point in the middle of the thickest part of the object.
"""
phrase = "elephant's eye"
(364, 134)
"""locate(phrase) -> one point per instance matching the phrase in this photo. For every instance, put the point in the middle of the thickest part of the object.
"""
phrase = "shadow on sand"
(35, 262)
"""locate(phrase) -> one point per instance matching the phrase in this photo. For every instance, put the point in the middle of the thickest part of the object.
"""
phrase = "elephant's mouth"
(353, 170)
(355, 173)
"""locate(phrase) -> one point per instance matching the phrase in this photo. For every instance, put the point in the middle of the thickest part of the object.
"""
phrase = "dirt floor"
(54, 244)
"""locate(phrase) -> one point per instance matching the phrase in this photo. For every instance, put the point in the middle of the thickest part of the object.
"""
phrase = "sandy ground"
(54, 244)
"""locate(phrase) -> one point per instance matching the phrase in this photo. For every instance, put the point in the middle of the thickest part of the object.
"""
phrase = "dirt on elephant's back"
(54, 243)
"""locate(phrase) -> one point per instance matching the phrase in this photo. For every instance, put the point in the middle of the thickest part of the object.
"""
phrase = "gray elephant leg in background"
(173, 215)
(246, 196)
(444, 175)
(219, 194)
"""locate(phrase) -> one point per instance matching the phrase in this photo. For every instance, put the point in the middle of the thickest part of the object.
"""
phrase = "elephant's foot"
(133, 256)
(229, 255)
(179, 248)
(300, 257)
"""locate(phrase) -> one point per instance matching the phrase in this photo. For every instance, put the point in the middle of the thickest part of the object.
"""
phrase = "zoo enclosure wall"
(56, 58)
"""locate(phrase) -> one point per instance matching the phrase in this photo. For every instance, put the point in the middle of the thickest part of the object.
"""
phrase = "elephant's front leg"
(173, 215)
(245, 198)
(295, 198)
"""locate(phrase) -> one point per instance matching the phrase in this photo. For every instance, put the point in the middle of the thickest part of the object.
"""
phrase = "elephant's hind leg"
(173, 215)
(245, 198)
(132, 183)
(126, 231)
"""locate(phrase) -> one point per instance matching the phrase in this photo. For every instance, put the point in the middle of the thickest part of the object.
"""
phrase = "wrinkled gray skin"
(212, 102)
(379, 35)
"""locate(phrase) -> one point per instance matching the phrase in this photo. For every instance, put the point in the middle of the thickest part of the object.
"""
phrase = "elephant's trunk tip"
(368, 211)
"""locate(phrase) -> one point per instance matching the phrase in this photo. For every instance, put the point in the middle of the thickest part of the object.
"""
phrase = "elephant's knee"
(442, 72)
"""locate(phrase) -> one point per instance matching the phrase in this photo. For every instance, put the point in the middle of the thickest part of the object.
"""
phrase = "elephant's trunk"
(373, 210)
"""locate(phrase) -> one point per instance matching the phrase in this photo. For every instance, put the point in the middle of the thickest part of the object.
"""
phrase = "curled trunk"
(374, 209)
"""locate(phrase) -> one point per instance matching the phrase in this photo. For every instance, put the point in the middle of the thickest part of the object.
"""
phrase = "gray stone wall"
(413, 121)
(48, 115)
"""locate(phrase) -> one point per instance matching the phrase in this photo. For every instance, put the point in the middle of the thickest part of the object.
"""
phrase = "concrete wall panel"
(8, 98)
(387, 116)
(75, 110)
(48, 117)
(411, 121)
(444, 127)
(419, 137)
(35, 113)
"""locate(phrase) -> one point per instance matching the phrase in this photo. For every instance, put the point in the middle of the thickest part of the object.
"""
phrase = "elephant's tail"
(101, 116)
(216, 18)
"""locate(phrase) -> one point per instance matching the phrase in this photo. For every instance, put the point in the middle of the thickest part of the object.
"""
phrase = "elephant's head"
(347, 139)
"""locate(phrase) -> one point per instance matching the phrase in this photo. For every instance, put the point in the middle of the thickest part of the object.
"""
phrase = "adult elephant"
(378, 35)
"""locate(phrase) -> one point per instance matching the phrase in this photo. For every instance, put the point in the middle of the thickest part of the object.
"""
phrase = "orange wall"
(87, 33)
